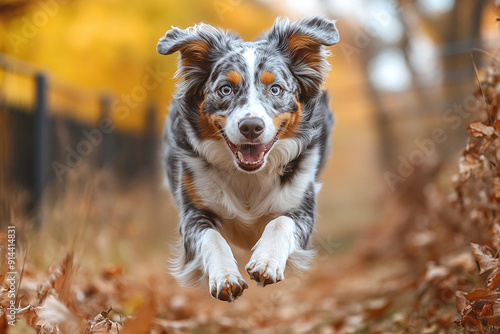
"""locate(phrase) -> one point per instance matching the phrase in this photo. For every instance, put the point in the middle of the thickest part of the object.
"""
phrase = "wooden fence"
(42, 141)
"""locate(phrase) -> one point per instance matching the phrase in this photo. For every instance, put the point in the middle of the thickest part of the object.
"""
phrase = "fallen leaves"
(480, 310)
(54, 306)
(479, 193)
(422, 227)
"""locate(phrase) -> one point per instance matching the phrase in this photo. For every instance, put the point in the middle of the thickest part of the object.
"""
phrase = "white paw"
(266, 269)
(227, 287)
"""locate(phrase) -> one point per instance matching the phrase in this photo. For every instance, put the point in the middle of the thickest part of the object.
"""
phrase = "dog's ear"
(303, 42)
(196, 46)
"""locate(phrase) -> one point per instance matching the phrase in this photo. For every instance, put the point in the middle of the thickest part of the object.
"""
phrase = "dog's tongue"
(252, 153)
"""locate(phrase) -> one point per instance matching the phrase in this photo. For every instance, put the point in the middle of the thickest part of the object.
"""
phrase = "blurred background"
(70, 68)
(83, 98)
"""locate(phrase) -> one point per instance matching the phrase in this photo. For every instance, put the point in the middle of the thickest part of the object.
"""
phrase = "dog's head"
(250, 94)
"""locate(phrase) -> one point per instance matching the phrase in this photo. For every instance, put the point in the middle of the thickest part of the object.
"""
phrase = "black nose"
(251, 127)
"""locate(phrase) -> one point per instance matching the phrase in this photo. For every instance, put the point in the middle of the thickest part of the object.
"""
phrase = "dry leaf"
(496, 188)
(484, 258)
(55, 312)
(486, 311)
(495, 235)
(461, 301)
(3, 324)
(140, 322)
(493, 320)
(102, 325)
(478, 129)
(494, 279)
(29, 313)
(472, 321)
(481, 294)
(59, 279)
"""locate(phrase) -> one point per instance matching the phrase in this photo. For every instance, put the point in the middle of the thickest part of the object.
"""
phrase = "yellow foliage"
(110, 45)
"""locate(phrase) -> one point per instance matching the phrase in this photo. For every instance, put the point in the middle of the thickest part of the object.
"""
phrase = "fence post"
(150, 144)
(41, 144)
(105, 154)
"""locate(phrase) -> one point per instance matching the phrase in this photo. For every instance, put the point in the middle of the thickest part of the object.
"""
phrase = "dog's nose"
(251, 127)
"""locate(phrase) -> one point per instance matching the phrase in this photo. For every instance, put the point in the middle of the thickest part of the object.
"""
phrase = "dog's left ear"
(303, 42)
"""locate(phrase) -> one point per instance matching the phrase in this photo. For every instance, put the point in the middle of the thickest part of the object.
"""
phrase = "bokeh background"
(83, 98)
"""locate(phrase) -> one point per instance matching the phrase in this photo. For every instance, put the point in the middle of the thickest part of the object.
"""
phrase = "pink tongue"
(251, 153)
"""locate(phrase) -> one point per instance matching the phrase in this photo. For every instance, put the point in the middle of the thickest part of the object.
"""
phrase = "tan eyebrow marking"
(267, 77)
(234, 77)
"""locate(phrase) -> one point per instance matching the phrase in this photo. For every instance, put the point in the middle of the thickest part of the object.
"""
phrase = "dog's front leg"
(271, 252)
(284, 238)
(205, 254)
(224, 279)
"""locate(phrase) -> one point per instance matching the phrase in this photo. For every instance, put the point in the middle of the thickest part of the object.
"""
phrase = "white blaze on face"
(253, 108)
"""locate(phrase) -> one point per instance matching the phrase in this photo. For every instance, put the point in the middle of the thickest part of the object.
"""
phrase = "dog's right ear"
(196, 46)
(193, 43)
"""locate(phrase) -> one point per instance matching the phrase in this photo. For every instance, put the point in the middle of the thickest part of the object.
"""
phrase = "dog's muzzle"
(250, 156)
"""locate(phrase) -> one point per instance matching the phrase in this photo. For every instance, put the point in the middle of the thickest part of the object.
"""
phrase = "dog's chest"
(247, 197)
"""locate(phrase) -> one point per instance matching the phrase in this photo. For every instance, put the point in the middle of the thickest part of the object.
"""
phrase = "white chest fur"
(246, 197)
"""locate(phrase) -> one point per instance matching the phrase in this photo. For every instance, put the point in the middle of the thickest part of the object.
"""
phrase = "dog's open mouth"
(250, 157)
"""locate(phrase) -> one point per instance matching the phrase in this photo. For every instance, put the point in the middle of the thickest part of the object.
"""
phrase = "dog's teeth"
(240, 156)
(261, 156)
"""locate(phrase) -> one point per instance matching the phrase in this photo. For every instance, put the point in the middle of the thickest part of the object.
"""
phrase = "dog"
(245, 139)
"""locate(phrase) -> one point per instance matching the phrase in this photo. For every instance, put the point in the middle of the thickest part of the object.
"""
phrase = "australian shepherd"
(246, 136)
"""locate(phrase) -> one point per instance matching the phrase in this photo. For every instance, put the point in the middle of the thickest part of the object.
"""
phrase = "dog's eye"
(225, 90)
(275, 90)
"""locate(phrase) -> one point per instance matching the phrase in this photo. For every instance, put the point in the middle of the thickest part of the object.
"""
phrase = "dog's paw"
(265, 271)
(227, 288)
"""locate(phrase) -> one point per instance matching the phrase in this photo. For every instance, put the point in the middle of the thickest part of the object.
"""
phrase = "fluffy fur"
(245, 139)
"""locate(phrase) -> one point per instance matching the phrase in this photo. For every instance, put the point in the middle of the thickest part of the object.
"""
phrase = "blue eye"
(225, 90)
(275, 90)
